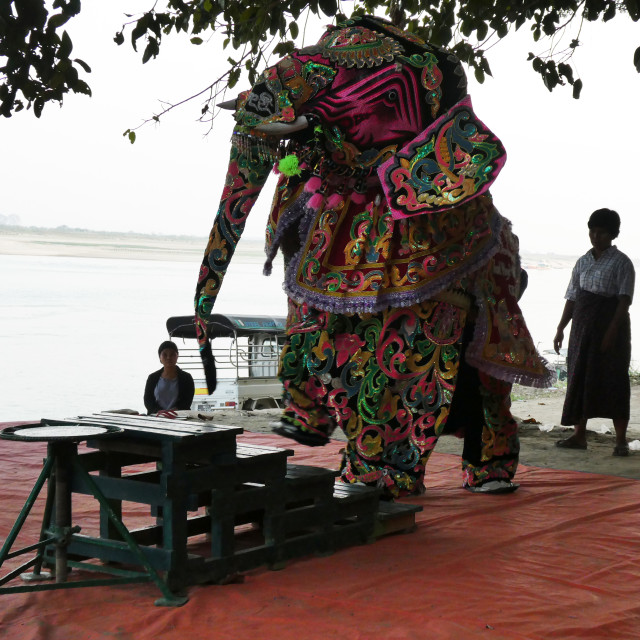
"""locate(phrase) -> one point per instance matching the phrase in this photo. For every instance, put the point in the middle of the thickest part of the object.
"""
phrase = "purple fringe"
(289, 217)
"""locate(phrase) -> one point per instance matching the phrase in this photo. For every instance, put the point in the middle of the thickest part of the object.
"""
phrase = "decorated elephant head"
(383, 166)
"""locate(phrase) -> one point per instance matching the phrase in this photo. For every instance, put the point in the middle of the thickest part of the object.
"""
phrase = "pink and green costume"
(402, 277)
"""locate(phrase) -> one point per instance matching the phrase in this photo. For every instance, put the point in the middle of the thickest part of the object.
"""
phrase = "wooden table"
(254, 507)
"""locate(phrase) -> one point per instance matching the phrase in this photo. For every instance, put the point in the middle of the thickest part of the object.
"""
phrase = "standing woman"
(599, 354)
(169, 388)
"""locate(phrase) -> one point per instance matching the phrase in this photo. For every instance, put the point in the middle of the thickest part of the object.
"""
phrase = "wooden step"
(395, 517)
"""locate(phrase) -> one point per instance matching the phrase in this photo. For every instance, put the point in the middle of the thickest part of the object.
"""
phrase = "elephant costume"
(402, 277)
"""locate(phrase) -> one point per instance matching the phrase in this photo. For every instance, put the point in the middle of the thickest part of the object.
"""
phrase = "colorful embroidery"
(500, 445)
(378, 294)
(357, 47)
(358, 258)
(502, 345)
(431, 78)
(386, 379)
(245, 177)
(454, 160)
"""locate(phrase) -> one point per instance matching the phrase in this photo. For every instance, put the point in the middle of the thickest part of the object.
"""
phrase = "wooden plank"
(354, 492)
(395, 517)
(181, 424)
(115, 488)
(117, 551)
(165, 428)
(388, 510)
(247, 451)
(299, 474)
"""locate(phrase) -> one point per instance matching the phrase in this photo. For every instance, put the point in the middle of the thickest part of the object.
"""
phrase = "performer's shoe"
(495, 486)
(621, 450)
(303, 437)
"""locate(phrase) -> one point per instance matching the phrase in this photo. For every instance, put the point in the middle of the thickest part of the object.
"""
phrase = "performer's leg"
(385, 379)
(491, 453)
(306, 362)
(403, 401)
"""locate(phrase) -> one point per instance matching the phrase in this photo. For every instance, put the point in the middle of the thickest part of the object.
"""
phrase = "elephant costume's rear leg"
(386, 379)
(491, 447)
(480, 413)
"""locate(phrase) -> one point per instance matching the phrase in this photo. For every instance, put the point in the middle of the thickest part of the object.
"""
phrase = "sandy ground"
(538, 413)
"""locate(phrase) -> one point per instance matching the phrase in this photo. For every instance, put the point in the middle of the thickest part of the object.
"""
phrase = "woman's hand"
(166, 413)
(567, 314)
(557, 341)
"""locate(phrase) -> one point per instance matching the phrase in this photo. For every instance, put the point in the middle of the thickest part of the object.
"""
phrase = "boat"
(246, 350)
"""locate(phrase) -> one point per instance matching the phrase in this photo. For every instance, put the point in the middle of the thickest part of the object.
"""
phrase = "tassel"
(315, 202)
(289, 165)
(358, 198)
(335, 200)
(313, 184)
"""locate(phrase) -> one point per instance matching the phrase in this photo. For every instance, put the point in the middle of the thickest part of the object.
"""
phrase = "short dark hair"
(168, 344)
(605, 219)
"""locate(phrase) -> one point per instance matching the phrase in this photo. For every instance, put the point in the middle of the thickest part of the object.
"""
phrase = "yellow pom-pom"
(289, 166)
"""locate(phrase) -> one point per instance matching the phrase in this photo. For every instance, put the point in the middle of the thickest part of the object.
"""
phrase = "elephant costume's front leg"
(248, 171)
(386, 379)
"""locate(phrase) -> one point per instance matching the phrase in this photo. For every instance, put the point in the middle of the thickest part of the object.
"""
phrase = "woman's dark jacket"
(186, 390)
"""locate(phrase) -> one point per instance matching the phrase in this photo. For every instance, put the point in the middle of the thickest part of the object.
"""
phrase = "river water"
(80, 335)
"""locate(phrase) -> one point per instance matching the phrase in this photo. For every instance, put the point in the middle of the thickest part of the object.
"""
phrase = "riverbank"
(79, 243)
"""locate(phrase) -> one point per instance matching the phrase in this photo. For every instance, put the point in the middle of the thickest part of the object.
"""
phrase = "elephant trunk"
(250, 162)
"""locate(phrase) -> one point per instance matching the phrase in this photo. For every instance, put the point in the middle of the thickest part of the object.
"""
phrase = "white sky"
(73, 167)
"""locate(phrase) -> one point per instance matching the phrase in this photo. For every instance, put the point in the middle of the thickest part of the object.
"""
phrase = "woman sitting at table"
(169, 388)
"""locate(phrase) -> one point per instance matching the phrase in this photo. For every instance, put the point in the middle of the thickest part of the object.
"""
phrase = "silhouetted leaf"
(57, 21)
(83, 64)
(633, 9)
(66, 46)
(610, 11)
(234, 76)
(38, 105)
(566, 71)
(577, 88)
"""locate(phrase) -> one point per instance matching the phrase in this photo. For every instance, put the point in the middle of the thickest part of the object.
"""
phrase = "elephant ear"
(452, 161)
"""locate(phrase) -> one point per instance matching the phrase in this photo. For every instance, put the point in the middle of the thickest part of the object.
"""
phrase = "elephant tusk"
(281, 129)
(228, 104)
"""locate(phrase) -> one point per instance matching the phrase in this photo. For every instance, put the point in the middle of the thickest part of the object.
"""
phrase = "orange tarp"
(557, 559)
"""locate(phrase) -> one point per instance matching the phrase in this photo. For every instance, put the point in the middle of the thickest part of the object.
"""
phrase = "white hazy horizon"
(73, 167)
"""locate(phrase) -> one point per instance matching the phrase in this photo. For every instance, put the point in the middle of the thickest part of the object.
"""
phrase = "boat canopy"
(226, 326)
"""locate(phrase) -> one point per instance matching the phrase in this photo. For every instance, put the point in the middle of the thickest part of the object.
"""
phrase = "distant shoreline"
(78, 243)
